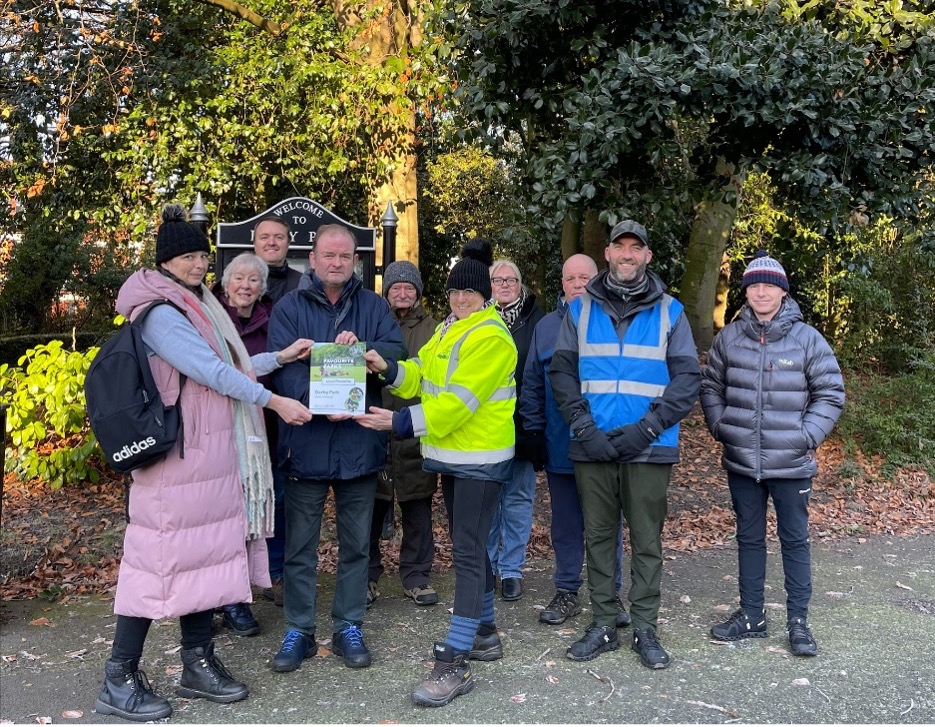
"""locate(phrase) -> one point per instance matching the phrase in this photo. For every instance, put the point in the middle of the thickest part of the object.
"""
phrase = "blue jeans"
(512, 522)
(568, 533)
(305, 502)
(276, 545)
(790, 498)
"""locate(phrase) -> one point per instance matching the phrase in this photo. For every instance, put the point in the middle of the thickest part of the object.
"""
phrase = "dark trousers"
(638, 490)
(568, 533)
(131, 633)
(750, 501)
(471, 505)
(417, 549)
(305, 502)
(276, 545)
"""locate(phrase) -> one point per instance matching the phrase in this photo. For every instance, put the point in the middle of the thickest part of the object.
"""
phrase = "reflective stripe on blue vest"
(618, 378)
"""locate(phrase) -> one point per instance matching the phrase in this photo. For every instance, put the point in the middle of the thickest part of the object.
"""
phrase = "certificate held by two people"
(337, 378)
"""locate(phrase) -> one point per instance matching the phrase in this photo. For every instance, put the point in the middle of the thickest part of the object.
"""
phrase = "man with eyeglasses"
(512, 522)
(624, 373)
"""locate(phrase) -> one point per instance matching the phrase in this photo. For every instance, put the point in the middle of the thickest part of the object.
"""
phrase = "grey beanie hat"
(402, 271)
(764, 269)
(630, 228)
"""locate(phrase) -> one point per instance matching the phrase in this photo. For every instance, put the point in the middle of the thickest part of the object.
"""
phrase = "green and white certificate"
(337, 378)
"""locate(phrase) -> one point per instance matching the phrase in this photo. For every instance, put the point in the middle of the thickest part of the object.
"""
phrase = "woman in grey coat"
(772, 392)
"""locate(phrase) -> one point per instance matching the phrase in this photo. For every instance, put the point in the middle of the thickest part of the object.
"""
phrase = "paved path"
(876, 661)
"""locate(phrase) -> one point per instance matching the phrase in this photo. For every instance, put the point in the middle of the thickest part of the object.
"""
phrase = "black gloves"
(630, 440)
(534, 448)
(596, 446)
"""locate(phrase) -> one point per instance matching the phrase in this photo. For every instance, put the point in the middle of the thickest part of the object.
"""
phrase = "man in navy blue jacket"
(550, 436)
(330, 305)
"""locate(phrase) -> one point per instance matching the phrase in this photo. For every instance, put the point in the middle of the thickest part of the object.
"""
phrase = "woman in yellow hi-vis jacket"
(464, 375)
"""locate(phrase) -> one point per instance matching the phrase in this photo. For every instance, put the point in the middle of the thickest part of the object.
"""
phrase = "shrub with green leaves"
(894, 416)
(47, 430)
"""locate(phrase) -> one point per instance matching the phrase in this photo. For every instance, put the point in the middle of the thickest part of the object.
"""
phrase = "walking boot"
(487, 645)
(450, 677)
(204, 676)
(126, 693)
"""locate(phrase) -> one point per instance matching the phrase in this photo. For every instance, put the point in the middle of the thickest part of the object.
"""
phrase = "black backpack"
(125, 409)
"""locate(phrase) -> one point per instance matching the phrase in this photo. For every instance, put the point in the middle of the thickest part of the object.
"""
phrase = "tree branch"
(235, 8)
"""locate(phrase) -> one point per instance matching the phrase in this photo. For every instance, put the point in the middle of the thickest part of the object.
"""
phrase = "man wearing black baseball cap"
(624, 374)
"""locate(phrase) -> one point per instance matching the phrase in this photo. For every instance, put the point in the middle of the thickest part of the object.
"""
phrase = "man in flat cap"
(624, 374)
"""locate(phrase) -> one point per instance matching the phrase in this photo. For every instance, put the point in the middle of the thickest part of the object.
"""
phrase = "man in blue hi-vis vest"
(624, 374)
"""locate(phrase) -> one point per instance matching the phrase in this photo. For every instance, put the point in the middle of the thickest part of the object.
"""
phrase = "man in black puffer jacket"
(771, 393)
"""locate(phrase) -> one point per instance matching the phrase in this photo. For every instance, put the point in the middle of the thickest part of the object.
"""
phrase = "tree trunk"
(571, 231)
(720, 300)
(711, 228)
(400, 188)
(595, 237)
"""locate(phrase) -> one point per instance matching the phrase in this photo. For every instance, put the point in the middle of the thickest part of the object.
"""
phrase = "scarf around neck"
(510, 312)
(256, 472)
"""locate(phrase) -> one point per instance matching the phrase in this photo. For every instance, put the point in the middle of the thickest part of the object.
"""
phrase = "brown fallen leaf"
(801, 682)
(552, 679)
(173, 650)
(778, 650)
(8, 657)
(722, 607)
(173, 669)
(44, 720)
(549, 663)
(72, 714)
(76, 654)
(907, 588)
(43, 621)
(518, 698)
(566, 632)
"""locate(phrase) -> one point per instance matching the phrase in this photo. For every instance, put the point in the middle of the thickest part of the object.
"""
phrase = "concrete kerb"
(876, 640)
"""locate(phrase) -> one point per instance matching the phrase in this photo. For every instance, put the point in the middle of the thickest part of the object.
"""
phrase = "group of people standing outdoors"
(592, 393)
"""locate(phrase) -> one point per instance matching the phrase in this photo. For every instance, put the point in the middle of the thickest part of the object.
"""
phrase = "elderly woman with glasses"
(512, 521)
(465, 377)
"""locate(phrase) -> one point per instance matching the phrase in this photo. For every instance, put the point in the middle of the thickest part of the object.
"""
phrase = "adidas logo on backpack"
(125, 409)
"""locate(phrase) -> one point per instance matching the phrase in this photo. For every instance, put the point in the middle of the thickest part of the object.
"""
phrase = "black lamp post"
(199, 215)
(390, 221)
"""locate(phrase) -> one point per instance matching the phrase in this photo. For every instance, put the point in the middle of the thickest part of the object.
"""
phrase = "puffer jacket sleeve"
(825, 387)
(713, 383)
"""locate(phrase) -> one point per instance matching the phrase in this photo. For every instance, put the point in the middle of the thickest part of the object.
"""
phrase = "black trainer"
(239, 618)
(646, 644)
(349, 644)
(487, 645)
(563, 606)
(623, 618)
(740, 626)
(800, 638)
(596, 640)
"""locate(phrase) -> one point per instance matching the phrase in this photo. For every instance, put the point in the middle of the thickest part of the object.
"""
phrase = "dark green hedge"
(12, 347)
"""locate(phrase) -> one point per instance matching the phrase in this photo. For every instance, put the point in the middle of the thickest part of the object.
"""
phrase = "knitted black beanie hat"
(177, 236)
(473, 270)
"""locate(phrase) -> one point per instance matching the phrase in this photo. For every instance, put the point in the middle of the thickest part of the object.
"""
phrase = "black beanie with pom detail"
(177, 236)
(473, 270)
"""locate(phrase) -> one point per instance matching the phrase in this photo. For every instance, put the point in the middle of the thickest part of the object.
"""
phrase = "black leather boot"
(204, 676)
(126, 693)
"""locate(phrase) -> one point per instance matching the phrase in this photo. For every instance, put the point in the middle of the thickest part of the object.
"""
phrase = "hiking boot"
(349, 643)
(511, 589)
(204, 676)
(275, 593)
(623, 618)
(564, 605)
(295, 647)
(646, 644)
(126, 693)
(451, 676)
(372, 594)
(800, 638)
(596, 640)
(423, 595)
(239, 618)
(487, 645)
(740, 626)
